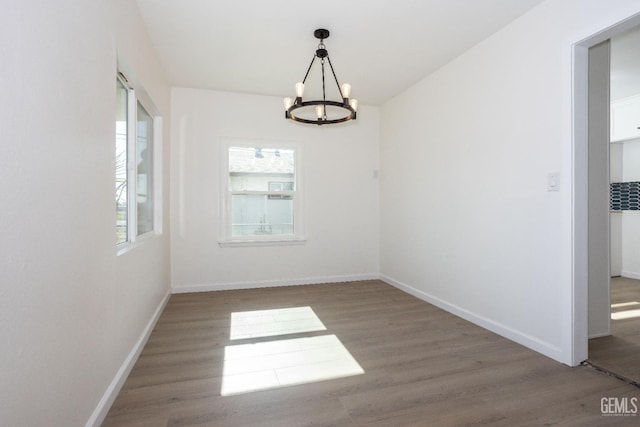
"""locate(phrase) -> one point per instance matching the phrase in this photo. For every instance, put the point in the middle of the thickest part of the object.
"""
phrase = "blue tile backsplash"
(625, 196)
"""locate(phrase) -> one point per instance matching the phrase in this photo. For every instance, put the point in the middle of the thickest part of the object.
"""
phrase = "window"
(144, 171)
(122, 128)
(134, 171)
(262, 193)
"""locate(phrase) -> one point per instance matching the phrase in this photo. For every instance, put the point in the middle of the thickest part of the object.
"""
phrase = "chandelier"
(322, 111)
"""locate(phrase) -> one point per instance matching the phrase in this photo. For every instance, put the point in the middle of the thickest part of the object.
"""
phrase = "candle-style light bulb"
(319, 111)
(288, 102)
(354, 104)
(346, 90)
(299, 89)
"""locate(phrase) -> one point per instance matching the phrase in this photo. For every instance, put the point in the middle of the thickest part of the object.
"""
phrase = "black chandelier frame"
(350, 112)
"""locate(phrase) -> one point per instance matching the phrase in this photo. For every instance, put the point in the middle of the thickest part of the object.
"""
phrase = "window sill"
(262, 242)
(125, 247)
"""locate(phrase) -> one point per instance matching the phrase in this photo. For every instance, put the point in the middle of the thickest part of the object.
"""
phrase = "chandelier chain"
(308, 69)
(324, 95)
(335, 77)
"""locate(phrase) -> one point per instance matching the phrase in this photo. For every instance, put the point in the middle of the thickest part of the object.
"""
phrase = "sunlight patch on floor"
(281, 321)
(625, 304)
(273, 364)
(627, 314)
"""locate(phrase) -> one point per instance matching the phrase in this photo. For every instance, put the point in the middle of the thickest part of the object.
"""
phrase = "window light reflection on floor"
(627, 314)
(273, 364)
(282, 362)
(625, 304)
(266, 323)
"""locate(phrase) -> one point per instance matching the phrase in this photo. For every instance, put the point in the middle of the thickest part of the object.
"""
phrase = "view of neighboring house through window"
(134, 166)
(262, 192)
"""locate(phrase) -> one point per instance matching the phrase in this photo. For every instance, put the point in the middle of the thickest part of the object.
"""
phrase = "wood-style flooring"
(422, 367)
(620, 352)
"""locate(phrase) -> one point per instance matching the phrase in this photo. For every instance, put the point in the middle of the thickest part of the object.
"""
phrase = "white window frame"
(225, 213)
(134, 97)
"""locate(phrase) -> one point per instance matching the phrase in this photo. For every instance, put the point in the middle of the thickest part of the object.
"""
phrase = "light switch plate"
(553, 181)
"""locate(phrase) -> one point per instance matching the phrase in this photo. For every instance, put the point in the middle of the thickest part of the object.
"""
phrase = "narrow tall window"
(122, 131)
(134, 165)
(144, 170)
(262, 193)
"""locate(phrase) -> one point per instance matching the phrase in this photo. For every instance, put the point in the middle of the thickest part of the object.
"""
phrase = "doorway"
(614, 325)
(581, 192)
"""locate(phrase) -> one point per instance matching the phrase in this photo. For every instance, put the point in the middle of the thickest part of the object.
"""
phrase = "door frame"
(580, 190)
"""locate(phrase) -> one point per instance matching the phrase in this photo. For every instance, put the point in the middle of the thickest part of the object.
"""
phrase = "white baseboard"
(533, 343)
(600, 335)
(631, 275)
(98, 415)
(180, 289)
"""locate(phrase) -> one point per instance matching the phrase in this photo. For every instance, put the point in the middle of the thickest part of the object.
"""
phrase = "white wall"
(340, 194)
(615, 218)
(70, 309)
(631, 219)
(466, 218)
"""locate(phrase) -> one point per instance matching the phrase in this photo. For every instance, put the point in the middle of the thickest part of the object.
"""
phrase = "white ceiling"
(381, 47)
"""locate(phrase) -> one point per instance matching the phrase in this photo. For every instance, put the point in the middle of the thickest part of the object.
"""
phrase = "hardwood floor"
(422, 366)
(620, 352)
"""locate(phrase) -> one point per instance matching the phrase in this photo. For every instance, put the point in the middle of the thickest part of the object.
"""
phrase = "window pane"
(252, 169)
(144, 161)
(121, 162)
(262, 214)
